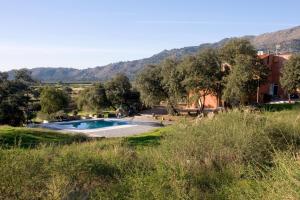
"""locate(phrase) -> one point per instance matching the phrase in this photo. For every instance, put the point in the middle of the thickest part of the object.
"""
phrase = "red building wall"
(275, 64)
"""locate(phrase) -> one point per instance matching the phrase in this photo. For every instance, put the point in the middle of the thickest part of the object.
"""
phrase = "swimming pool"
(86, 124)
(92, 124)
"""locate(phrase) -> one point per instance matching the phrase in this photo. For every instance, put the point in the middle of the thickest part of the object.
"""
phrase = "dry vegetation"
(235, 156)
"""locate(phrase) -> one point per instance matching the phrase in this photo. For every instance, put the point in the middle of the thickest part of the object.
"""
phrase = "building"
(270, 90)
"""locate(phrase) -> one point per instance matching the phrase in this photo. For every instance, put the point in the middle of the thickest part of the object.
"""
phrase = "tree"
(15, 97)
(172, 83)
(24, 81)
(246, 71)
(203, 75)
(117, 90)
(290, 78)
(93, 98)
(236, 47)
(149, 84)
(10, 102)
(53, 100)
(236, 88)
(3, 85)
(161, 82)
(24, 75)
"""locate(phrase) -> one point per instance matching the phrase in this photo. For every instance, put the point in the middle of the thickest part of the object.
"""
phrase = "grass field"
(26, 137)
(235, 156)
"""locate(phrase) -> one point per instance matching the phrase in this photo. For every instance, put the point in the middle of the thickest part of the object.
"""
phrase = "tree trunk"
(171, 109)
(201, 104)
(257, 95)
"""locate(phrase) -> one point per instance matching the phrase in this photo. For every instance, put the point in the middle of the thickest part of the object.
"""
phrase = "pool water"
(93, 124)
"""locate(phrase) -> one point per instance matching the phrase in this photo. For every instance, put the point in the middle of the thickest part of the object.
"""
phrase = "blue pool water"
(93, 124)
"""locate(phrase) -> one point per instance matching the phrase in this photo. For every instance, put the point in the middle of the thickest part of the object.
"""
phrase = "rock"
(211, 115)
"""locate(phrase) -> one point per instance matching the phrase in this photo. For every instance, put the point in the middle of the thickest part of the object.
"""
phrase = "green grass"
(26, 137)
(148, 139)
(235, 156)
(280, 107)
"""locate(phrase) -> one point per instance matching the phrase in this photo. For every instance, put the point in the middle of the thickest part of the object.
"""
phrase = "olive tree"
(161, 82)
(93, 98)
(53, 100)
(117, 90)
(203, 75)
(246, 74)
(290, 78)
(15, 96)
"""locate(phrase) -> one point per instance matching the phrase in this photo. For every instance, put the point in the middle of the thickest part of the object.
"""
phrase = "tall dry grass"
(235, 156)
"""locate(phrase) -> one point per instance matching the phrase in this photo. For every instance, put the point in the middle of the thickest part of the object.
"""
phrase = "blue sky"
(88, 33)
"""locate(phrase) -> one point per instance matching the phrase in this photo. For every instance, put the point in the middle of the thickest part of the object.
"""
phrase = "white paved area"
(122, 131)
(139, 125)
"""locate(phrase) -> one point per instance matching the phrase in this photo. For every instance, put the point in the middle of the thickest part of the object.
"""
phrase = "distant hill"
(289, 41)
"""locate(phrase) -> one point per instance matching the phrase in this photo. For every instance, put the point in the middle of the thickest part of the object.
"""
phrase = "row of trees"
(115, 93)
(233, 72)
(20, 100)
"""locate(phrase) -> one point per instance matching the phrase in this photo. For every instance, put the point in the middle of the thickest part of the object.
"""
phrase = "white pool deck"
(138, 126)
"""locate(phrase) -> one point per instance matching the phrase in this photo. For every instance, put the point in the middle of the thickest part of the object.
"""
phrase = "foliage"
(161, 83)
(15, 96)
(171, 80)
(149, 84)
(53, 100)
(115, 93)
(93, 98)
(236, 47)
(203, 75)
(60, 115)
(254, 159)
(247, 72)
(290, 79)
(117, 90)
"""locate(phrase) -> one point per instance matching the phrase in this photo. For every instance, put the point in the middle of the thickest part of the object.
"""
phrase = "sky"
(89, 33)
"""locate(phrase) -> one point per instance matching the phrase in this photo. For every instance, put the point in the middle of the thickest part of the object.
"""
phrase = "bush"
(57, 116)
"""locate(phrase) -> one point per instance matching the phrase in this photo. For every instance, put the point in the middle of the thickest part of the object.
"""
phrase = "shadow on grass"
(280, 107)
(29, 141)
(12, 137)
(144, 141)
(150, 139)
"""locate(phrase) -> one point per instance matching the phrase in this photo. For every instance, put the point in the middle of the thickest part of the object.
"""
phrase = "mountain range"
(288, 40)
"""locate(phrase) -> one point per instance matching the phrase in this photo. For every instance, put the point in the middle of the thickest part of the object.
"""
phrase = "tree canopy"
(235, 48)
(15, 97)
(53, 100)
(117, 90)
(93, 98)
(246, 71)
(290, 79)
(149, 84)
(203, 75)
(233, 72)
(161, 82)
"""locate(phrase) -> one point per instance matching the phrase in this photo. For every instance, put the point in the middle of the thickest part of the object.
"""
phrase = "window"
(275, 90)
